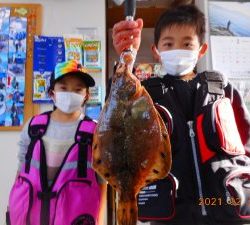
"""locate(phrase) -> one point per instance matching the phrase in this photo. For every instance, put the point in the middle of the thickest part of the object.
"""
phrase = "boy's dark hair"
(182, 15)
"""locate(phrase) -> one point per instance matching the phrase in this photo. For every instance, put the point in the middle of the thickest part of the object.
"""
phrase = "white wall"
(205, 62)
(59, 17)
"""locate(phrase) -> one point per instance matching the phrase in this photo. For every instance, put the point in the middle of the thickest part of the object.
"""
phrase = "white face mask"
(68, 102)
(179, 62)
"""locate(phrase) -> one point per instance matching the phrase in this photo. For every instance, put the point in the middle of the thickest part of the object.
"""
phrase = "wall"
(59, 17)
(205, 62)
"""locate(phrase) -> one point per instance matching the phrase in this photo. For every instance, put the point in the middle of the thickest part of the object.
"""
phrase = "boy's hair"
(182, 15)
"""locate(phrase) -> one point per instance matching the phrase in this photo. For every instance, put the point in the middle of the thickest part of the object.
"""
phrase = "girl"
(56, 183)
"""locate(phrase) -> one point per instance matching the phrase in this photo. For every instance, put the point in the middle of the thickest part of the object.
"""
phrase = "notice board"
(18, 23)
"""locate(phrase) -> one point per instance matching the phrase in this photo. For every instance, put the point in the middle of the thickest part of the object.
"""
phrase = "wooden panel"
(34, 27)
(149, 11)
(149, 15)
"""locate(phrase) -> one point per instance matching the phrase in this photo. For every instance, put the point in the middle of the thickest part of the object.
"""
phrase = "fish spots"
(163, 155)
(147, 181)
(95, 147)
(98, 162)
(155, 171)
(106, 175)
(165, 135)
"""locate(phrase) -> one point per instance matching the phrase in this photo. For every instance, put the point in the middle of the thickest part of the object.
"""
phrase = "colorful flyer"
(95, 95)
(3, 58)
(48, 51)
(73, 48)
(93, 111)
(4, 20)
(12, 97)
(4, 40)
(92, 54)
(17, 40)
(12, 68)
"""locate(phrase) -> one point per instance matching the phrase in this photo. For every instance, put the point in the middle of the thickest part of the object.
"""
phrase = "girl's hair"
(182, 15)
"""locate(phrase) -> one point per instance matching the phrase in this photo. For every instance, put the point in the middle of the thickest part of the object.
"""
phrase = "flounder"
(131, 146)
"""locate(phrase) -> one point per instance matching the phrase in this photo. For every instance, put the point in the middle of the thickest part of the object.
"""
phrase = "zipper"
(198, 176)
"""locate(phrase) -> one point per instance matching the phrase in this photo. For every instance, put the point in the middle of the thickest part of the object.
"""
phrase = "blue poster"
(17, 40)
(4, 40)
(48, 51)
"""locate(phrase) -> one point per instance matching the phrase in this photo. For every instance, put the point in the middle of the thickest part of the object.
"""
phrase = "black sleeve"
(242, 116)
(108, 88)
(154, 87)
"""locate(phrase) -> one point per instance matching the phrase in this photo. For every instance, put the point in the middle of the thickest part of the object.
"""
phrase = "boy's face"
(179, 37)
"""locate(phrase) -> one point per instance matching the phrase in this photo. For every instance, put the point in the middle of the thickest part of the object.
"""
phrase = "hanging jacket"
(73, 197)
(206, 183)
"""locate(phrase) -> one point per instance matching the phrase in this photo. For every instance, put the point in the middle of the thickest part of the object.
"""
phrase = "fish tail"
(127, 212)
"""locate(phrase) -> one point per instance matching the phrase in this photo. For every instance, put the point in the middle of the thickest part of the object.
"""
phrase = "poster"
(17, 40)
(73, 48)
(95, 95)
(93, 111)
(4, 40)
(13, 32)
(48, 51)
(230, 41)
(92, 54)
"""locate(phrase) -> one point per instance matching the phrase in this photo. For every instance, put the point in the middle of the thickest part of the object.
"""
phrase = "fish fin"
(127, 212)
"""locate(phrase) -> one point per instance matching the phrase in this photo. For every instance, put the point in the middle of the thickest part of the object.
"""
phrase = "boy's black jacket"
(184, 100)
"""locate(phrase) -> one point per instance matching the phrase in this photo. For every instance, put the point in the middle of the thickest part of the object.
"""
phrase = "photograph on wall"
(229, 18)
(4, 40)
(13, 32)
(48, 51)
(3, 58)
(93, 110)
(14, 101)
(95, 95)
(92, 54)
(11, 100)
(17, 40)
(73, 48)
(4, 20)
(230, 42)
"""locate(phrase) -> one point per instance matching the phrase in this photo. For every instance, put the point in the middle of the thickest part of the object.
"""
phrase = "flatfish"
(131, 146)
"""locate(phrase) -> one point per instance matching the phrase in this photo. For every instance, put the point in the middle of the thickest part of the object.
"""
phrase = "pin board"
(18, 25)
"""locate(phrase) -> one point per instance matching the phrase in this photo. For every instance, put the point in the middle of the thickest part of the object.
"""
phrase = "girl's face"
(73, 84)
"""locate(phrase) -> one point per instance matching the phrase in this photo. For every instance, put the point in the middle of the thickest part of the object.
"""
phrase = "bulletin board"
(33, 14)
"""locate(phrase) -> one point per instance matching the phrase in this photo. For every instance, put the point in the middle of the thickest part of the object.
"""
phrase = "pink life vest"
(74, 196)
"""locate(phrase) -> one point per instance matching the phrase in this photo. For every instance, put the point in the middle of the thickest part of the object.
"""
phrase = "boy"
(201, 176)
(62, 161)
